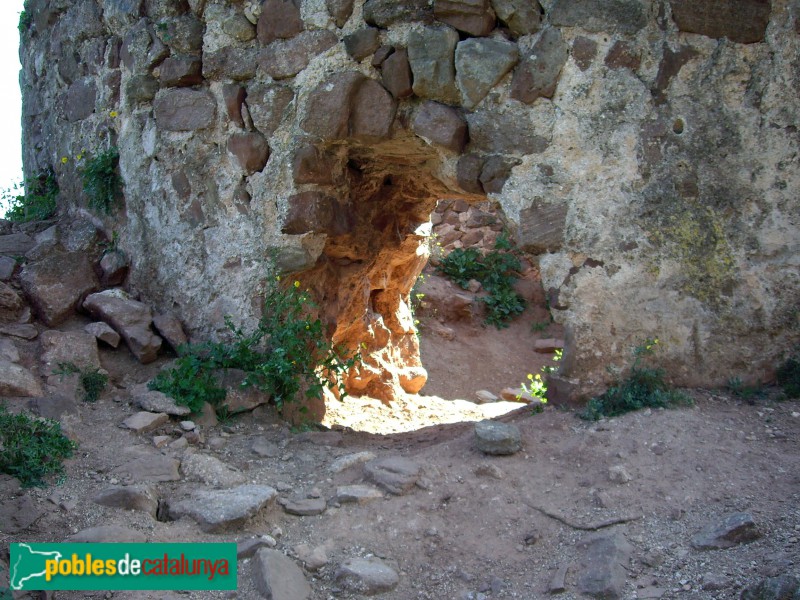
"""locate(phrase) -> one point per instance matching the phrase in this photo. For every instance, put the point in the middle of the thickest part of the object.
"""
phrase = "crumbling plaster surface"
(650, 162)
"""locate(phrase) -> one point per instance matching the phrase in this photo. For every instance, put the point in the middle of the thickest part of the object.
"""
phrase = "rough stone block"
(276, 576)
(286, 58)
(18, 381)
(312, 165)
(327, 113)
(10, 304)
(441, 125)
(583, 52)
(141, 87)
(537, 75)
(523, 17)
(143, 422)
(383, 13)
(730, 531)
(141, 49)
(183, 34)
(130, 318)
(181, 72)
(624, 16)
(541, 226)
(310, 211)
(368, 576)
(496, 438)
(603, 566)
(431, 53)
(56, 284)
(184, 110)
(218, 510)
(480, 65)
(79, 100)
(280, 19)
(468, 173)
(251, 150)
(340, 10)
(234, 95)
(395, 474)
(362, 43)
(743, 21)
(231, 62)
(169, 327)
(507, 132)
(495, 172)
(239, 28)
(396, 74)
(77, 347)
(474, 17)
(268, 105)
(372, 112)
(113, 268)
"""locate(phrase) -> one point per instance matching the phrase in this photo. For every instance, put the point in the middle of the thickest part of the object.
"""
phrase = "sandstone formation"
(642, 151)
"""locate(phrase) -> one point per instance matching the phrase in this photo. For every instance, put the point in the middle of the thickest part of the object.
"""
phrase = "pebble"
(187, 425)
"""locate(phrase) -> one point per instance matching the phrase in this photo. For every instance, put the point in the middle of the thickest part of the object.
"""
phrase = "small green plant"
(537, 386)
(92, 381)
(25, 21)
(496, 271)
(285, 355)
(788, 376)
(101, 180)
(745, 392)
(31, 448)
(643, 387)
(34, 200)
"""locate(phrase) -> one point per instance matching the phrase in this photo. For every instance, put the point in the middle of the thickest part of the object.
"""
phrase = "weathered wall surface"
(645, 150)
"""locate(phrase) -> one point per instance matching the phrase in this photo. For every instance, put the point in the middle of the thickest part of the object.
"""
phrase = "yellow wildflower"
(113, 114)
(297, 284)
(64, 160)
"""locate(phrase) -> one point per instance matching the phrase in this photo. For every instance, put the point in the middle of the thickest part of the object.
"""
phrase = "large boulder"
(130, 318)
(56, 284)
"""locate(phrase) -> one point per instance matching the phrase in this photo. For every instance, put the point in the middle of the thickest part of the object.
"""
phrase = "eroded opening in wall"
(378, 223)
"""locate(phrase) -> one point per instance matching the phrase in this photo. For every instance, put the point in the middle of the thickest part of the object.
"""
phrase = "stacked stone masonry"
(644, 150)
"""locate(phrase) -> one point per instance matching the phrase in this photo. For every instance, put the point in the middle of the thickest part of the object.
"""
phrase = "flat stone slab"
(17, 514)
(106, 534)
(103, 332)
(129, 497)
(24, 331)
(154, 468)
(395, 474)
(358, 494)
(369, 576)
(496, 438)
(211, 471)
(350, 460)
(278, 577)
(264, 448)
(76, 347)
(305, 508)
(731, 530)
(217, 510)
(603, 566)
(157, 402)
(145, 421)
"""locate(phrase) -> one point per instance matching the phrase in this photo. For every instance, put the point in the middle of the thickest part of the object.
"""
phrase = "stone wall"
(645, 151)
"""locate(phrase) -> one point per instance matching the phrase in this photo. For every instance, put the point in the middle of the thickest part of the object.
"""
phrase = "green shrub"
(643, 387)
(101, 180)
(496, 271)
(788, 376)
(25, 20)
(286, 353)
(37, 203)
(32, 448)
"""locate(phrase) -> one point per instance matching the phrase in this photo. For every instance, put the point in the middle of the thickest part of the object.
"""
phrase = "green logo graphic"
(122, 567)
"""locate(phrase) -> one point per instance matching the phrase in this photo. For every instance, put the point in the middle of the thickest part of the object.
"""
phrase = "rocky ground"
(400, 501)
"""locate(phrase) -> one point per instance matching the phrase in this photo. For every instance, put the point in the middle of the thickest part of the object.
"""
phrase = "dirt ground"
(475, 526)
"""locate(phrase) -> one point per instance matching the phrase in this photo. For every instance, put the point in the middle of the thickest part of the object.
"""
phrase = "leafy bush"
(38, 204)
(32, 448)
(25, 20)
(285, 354)
(788, 376)
(497, 272)
(101, 180)
(643, 387)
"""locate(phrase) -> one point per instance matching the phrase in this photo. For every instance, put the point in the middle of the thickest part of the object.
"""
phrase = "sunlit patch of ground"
(409, 413)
